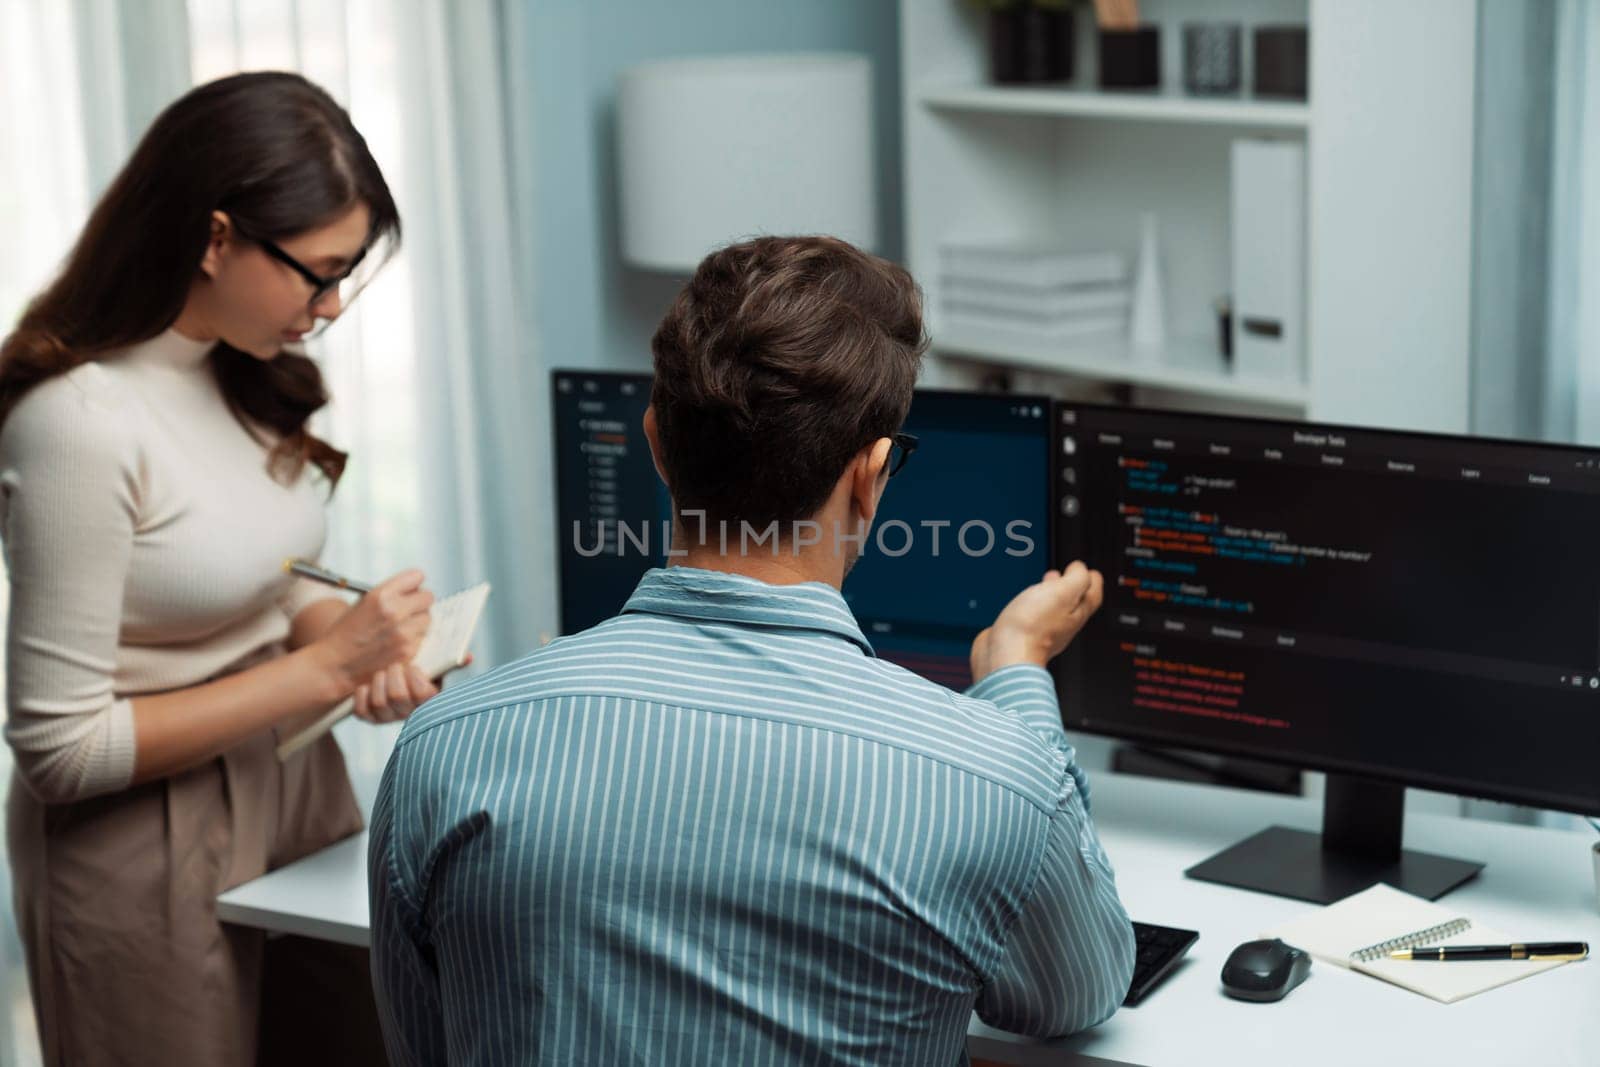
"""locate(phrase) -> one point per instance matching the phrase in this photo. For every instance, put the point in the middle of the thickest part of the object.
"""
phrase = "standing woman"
(155, 471)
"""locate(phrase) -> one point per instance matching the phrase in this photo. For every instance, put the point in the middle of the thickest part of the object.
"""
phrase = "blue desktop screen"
(962, 528)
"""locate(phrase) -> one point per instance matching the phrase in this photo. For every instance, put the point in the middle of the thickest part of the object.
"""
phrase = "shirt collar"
(694, 593)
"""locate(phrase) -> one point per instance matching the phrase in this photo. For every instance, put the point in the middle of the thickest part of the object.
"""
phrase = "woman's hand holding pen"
(384, 629)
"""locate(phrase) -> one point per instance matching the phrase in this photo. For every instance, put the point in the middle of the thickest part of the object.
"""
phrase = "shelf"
(1186, 365)
(1148, 106)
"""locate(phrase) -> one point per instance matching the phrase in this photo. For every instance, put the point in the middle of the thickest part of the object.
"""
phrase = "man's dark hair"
(780, 360)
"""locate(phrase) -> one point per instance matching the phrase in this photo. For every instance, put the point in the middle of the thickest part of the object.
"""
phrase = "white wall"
(592, 310)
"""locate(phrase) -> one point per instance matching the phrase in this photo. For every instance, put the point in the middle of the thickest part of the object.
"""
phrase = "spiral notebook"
(1360, 931)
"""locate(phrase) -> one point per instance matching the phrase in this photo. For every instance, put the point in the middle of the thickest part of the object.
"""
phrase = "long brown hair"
(280, 157)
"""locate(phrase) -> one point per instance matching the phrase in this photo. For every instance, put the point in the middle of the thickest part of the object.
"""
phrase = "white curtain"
(468, 163)
(1575, 218)
(434, 374)
(44, 186)
(1536, 276)
(1536, 326)
(46, 178)
(133, 59)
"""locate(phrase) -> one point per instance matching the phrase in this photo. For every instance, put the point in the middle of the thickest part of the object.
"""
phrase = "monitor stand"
(1359, 846)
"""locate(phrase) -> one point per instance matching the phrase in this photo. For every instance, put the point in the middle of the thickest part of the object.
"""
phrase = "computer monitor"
(961, 529)
(610, 504)
(1396, 609)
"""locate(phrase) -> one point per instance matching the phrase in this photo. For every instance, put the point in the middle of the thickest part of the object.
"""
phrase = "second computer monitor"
(964, 527)
(613, 515)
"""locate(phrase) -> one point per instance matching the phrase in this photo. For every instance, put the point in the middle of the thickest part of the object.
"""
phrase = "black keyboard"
(1157, 949)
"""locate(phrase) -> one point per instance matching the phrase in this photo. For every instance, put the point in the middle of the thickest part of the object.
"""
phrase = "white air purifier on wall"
(712, 150)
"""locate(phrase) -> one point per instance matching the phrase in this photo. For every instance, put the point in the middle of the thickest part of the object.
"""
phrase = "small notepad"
(451, 624)
(1361, 930)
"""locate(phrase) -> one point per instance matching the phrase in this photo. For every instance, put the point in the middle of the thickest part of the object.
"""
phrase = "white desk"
(1538, 885)
(322, 896)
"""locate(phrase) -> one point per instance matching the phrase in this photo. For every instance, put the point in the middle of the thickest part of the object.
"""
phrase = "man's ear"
(870, 476)
(652, 434)
(216, 241)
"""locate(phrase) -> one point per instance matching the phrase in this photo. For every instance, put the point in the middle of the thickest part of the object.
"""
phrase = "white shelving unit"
(1186, 366)
(1388, 130)
(1135, 107)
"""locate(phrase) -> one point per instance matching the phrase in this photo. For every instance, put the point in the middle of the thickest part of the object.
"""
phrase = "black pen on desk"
(327, 577)
(1533, 950)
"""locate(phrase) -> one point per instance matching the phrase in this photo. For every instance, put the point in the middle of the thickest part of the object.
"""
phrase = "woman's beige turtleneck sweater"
(145, 542)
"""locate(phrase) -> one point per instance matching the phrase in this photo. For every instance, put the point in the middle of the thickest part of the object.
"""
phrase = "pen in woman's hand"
(327, 577)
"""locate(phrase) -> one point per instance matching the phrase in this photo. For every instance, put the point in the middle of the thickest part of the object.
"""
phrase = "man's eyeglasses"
(360, 270)
(903, 445)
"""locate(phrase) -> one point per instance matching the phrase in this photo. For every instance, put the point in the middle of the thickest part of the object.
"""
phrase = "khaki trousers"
(116, 903)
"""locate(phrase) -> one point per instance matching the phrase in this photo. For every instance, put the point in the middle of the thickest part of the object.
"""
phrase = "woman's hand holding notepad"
(444, 648)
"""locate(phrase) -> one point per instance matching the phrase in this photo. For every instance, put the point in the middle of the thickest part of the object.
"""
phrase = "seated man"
(715, 829)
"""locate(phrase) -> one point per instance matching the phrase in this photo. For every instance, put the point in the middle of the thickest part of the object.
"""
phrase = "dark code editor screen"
(1413, 606)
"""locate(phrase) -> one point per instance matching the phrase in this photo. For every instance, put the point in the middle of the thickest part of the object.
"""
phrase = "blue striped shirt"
(717, 830)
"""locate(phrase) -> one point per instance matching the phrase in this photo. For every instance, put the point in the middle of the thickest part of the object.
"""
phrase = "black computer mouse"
(1264, 970)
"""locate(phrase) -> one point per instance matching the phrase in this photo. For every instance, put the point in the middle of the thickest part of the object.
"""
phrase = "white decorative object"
(713, 150)
(1147, 327)
(1269, 259)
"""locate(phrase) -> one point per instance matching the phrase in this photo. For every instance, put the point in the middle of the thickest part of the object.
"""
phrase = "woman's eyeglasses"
(348, 282)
